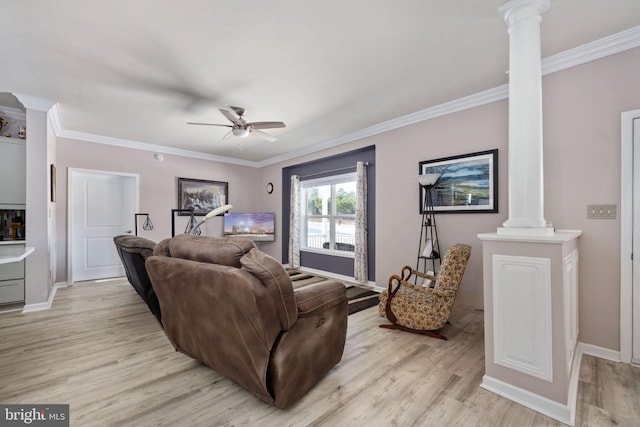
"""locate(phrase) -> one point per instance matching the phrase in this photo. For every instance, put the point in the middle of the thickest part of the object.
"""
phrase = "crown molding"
(597, 49)
(601, 48)
(460, 104)
(34, 103)
(59, 130)
(125, 143)
(55, 119)
(592, 51)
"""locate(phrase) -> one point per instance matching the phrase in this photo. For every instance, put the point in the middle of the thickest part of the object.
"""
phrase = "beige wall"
(582, 107)
(158, 186)
(397, 206)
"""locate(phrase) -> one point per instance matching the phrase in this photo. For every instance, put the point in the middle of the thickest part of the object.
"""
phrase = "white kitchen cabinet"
(13, 187)
(12, 273)
(12, 283)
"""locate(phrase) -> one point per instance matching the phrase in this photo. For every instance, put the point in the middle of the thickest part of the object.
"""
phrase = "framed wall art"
(201, 195)
(468, 183)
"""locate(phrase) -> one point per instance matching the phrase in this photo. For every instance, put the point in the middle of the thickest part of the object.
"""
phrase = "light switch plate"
(601, 211)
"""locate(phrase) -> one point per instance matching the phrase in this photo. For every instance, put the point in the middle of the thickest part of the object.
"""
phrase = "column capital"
(515, 10)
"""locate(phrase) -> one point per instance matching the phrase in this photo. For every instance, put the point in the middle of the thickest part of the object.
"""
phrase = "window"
(328, 214)
(329, 260)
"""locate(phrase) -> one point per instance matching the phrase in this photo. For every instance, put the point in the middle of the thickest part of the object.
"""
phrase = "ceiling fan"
(241, 128)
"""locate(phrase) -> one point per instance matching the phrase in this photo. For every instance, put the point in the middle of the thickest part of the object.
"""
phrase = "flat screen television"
(259, 226)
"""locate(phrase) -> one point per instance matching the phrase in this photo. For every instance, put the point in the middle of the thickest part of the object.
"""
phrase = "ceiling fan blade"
(228, 135)
(208, 124)
(266, 125)
(263, 135)
(229, 115)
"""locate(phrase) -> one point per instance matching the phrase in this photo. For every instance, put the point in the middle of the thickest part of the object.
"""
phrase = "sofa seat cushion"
(277, 281)
(215, 250)
(317, 299)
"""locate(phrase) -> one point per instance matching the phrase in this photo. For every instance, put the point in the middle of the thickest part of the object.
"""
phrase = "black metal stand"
(147, 223)
(428, 246)
(173, 219)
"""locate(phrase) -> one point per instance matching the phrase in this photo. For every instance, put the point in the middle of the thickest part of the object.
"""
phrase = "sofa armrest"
(307, 351)
(316, 299)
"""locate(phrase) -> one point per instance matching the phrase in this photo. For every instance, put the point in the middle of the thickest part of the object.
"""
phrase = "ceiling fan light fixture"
(240, 132)
(240, 128)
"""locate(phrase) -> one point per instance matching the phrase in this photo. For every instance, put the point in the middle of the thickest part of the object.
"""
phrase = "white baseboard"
(574, 379)
(548, 407)
(601, 352)
(29, 308)
(563, 413)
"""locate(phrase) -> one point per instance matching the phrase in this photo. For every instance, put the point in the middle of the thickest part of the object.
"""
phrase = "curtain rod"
(330, 171)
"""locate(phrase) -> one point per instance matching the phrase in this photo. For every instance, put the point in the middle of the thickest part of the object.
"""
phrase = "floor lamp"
(215, 212)
(428, 246)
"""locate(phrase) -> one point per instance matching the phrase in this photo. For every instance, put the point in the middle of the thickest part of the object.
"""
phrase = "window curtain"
(294, 223)
(360, 266)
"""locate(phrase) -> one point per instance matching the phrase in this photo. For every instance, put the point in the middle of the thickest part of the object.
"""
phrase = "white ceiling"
(139, 70)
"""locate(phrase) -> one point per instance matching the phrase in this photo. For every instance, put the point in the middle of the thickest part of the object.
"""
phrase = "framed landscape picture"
(468, 183)
(202, 196)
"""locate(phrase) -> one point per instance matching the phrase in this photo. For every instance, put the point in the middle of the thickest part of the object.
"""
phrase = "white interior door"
(635, 356)
(101, 205)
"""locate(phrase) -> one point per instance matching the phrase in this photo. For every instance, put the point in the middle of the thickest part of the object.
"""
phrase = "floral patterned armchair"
(421, 309)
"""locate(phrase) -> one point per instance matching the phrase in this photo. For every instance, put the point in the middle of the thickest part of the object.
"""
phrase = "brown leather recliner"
(232, 307)
(133, 252)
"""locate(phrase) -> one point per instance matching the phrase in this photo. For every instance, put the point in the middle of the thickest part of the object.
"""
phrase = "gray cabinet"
(13, 177)
(12, 283)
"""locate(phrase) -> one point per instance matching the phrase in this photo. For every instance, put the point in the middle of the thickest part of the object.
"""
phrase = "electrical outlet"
(601, 211)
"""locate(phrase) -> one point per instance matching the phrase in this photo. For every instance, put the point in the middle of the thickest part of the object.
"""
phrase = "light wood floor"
(100, 350)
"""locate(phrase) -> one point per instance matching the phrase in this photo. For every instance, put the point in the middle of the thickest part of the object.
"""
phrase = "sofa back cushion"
(216, 250)
(135, 244)
(277, 281)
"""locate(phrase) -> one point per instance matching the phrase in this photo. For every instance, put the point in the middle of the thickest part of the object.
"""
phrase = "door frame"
(626, 229)
(70, 200)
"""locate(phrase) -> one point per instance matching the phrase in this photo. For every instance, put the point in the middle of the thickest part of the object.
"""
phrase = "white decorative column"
(530, 270)
(526, 193)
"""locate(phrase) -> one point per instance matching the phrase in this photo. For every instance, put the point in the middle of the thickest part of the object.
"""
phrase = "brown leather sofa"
(232, 307)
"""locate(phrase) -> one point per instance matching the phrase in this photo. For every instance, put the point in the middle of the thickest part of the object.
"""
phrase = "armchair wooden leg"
(432, 334)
